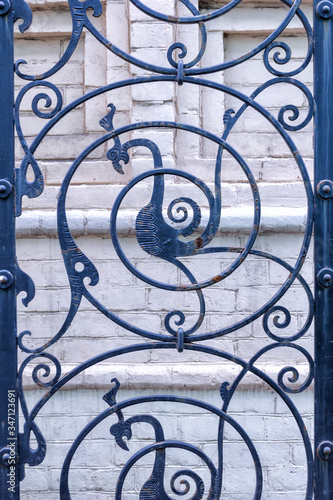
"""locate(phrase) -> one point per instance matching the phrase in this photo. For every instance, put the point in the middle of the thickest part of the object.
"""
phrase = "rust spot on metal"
(199, 242)
(217, 278)
(173, 19)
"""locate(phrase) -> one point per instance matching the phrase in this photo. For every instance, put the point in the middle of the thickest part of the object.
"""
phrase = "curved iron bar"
(201, 285)
(169, 78)
(225, 393)
(185, 20)
(294, 10)
(180, 248)
(80, 20)
(289, 107)
(72, 255)
(265, 310)
(77, 253)
(214, 493)
(155, 484)
(230, 121)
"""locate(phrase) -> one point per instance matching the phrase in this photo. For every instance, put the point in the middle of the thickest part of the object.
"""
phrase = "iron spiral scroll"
(187, 236)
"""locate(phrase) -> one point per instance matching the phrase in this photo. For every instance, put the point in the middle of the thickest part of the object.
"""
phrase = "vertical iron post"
(9, 480)
(323, 242)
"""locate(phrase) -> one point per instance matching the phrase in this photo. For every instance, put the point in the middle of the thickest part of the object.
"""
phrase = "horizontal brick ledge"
(159, 377)
(97, 222)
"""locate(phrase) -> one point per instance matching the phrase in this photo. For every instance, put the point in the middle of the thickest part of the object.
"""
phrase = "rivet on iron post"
(324, 10)
(325, 277)
(5, 456)
(5, 186)
(6, 279)
(325, 189)
(180, 72)
(325, 450)
(5, 5)
(180, 340)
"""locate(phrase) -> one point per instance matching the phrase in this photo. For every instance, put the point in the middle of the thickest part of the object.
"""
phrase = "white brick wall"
(91, 196)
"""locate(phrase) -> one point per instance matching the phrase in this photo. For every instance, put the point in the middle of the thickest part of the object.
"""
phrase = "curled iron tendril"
(280, 323)
(293, 116)
(196, 218)
(183, 49)
(48, 102)
(28, 455)
(24, 187)
(291, 370)
(280, 59)
(230, 117)
(47, 370)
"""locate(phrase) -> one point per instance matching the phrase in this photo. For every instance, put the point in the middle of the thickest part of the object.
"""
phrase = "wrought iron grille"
(171, 234)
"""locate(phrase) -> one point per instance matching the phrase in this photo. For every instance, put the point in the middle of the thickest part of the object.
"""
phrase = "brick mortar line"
(97, 222)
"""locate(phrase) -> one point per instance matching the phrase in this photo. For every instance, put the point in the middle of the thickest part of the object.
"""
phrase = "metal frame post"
(323, 243)
(9, 480)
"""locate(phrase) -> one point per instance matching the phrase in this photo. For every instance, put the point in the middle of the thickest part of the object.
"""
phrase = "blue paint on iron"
(158, 234)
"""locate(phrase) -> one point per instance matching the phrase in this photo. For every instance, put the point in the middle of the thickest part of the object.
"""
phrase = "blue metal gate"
(157, 238)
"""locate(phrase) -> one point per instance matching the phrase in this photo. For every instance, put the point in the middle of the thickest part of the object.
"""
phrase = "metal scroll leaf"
(79, 18)
(22, 11)
(31, 189)
(74, 259)
(24, 283)
(29, 455)
(34, 188)
(293, 378)
(224, 392)
(118, 153)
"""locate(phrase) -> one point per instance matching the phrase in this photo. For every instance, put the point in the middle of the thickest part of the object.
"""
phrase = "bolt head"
(325, 9)
(327, 278)
(2, 5)
(3, 279)
(327, 451)
(326, 188)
